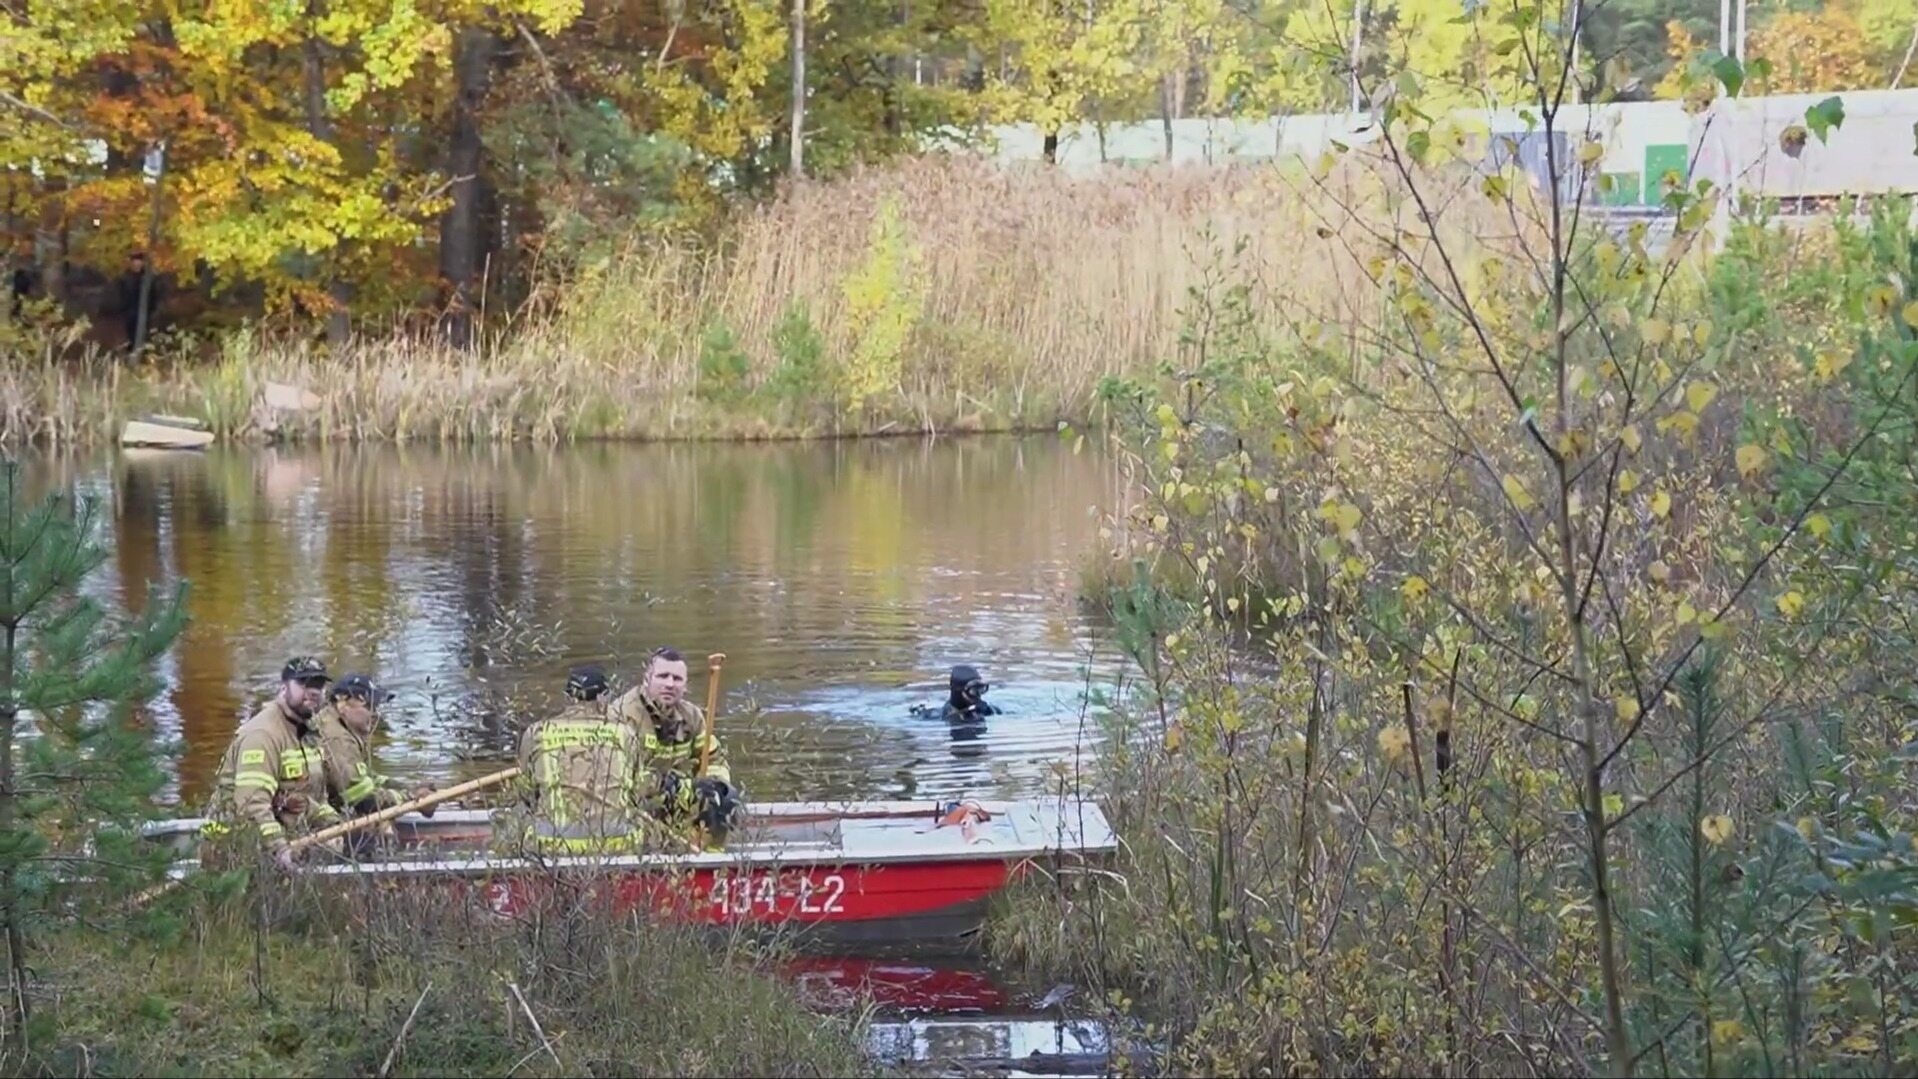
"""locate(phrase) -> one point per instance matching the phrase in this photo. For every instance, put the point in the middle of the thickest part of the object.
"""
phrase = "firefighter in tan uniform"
(273, 777)
(669, 727)
(583, 774)
(345, 727)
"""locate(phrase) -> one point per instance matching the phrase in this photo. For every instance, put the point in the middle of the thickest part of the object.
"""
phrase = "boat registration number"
(762, 892)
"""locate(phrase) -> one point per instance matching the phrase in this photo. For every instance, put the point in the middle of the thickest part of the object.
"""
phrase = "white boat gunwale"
(1070, 826)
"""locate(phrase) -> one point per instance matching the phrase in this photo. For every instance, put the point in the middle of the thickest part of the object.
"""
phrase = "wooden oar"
(713, 663)
(389, 813)
(321, 836)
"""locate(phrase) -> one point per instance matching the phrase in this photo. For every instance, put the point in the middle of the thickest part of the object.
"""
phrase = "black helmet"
(361, 687)
(586, 683)
(966, 684)
(303, 669)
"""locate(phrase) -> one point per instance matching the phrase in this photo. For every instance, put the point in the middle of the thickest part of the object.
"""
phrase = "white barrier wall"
(1871, 153)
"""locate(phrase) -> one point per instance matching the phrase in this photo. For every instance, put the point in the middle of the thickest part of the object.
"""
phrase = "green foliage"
(884, 298)
(804, 371)
(723, 365)
(78, 768)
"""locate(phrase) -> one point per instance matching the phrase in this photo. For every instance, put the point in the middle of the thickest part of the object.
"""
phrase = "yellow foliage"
(1814, 51)
(1716, 829)
(1395, 743)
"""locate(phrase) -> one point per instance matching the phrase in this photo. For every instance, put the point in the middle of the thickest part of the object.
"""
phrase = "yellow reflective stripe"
(570, 735)
(271, 828)
(255, 781)
(670, 749)
(361, 789)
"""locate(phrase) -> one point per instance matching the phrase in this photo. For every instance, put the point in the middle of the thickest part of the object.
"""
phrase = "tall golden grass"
(1035, 284)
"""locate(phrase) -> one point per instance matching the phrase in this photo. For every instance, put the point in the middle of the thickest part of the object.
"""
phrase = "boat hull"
(864, 873)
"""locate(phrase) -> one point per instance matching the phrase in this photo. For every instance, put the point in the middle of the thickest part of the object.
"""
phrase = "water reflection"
(842, 580)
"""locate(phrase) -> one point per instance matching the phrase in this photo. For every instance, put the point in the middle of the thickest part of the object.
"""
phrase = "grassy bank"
(941, 294)
(329, 988)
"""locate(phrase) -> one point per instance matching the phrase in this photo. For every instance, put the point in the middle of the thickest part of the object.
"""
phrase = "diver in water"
(967, 705)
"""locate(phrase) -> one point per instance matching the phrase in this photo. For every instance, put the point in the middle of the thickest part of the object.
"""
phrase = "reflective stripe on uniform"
(299, 761)
(272, 828)
(568, 735)
(256, 780)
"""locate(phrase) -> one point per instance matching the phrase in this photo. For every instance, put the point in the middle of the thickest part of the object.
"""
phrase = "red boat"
(859, 871)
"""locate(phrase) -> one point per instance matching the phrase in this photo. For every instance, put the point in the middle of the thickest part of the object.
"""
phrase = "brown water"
(840, 579)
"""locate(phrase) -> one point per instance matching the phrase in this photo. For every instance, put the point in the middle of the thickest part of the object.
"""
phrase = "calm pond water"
(840, 579)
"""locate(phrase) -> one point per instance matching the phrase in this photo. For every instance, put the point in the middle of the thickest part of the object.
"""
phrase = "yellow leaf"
(1699, 394)
(1655, 331)
(1727, 1031)
(1414, 589)
(1160, 522)
(1716, 830)
(1328, 550)
(1818, 525)
(1879, 299)
(1627, 482)
(1174, 736)
(1829, 364)
(1661, 504)
(1751, 458)
(1627, 708)
(1702, 333)
(1684, 422)
(1807, 827)
(1791, 603)
(1591, 152)
(1614, 805)
(1346, 518)
(1571, 444)
(1911, 314)
(1713, 628)
(1271, 494)
(1232, 604)
(1861, 1042)
(1629, 436)
(1395, 743)
(1686, 613)
(1660, 572)
(1516, 491)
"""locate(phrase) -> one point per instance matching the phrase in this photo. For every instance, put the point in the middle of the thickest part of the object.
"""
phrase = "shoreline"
(10, 445)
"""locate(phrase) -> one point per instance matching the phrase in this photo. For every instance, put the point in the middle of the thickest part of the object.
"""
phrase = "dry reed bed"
(1035, 285)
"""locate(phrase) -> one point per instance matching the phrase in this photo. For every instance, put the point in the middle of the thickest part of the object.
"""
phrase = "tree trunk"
(460, 239)
(1052, 146)
(799, 89)
(338, 322)
(1165, 112)
(143, 310)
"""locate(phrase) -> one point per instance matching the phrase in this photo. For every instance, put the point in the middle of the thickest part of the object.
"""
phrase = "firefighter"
(583, 774)
(670, 727)
(345, 728)
(273, 777)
